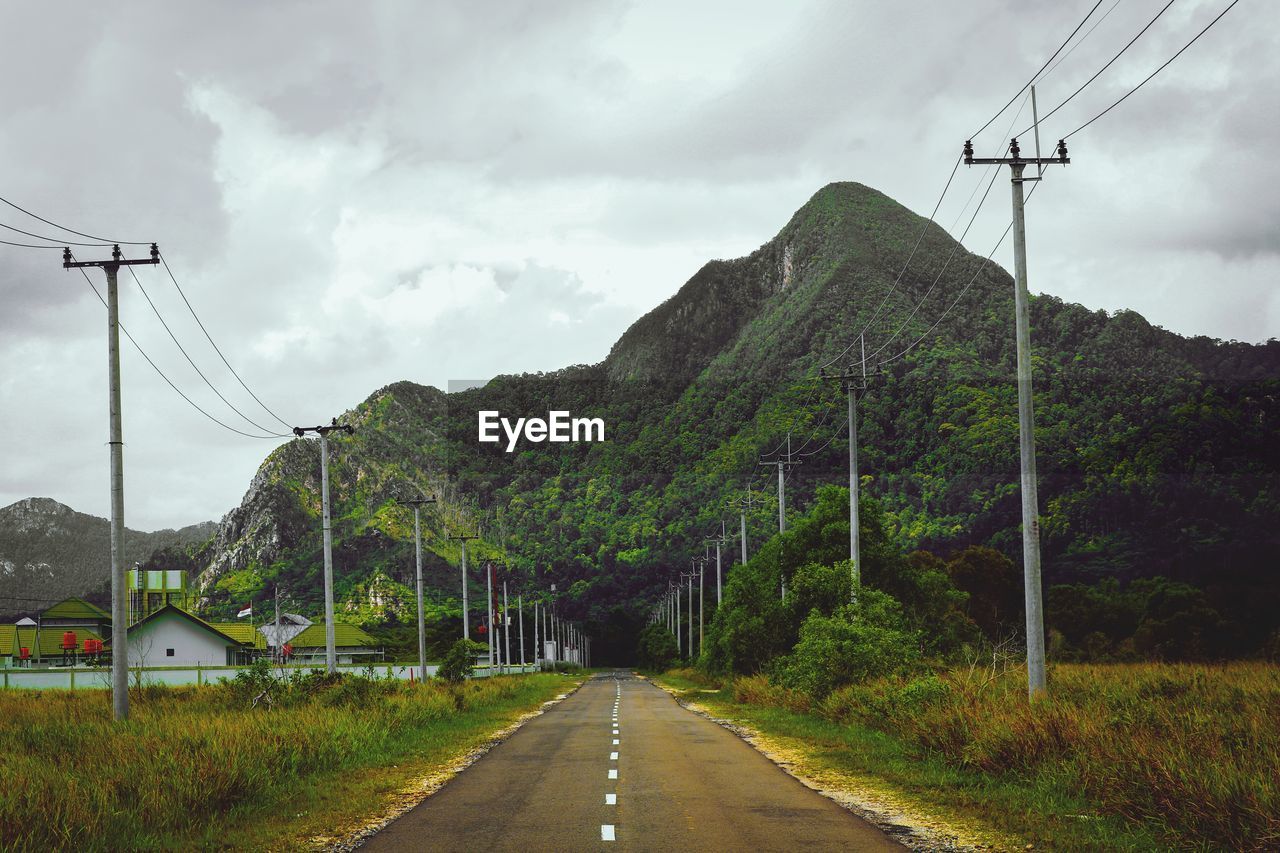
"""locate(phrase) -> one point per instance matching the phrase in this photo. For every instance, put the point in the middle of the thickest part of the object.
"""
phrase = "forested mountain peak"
(1157, 452)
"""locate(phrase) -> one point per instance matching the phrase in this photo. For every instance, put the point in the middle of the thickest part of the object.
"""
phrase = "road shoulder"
(917, 828)
(421, 787)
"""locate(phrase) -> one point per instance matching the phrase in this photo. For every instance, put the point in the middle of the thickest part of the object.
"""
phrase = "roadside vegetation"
(1122, 756)
(918, 680)
(258, 762)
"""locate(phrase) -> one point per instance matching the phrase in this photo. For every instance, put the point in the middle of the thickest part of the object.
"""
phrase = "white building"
(171, 636)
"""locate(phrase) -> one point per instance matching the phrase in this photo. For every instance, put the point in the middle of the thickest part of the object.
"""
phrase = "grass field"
(200, 768)
(1140, 756)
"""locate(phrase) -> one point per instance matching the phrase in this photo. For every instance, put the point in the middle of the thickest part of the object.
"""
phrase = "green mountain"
(48, 552)
(1157, 452)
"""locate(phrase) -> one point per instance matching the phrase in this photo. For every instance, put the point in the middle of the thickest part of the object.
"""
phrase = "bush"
(657, 648)
(460, 661)
(858, 642)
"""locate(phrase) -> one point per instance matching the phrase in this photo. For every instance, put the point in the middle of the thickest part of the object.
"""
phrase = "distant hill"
(1158, 453)
(48, 552)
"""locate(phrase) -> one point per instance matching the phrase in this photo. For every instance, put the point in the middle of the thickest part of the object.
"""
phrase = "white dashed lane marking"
(607, 832)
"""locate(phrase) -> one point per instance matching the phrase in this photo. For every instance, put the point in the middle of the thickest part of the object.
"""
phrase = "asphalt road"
(619, 765)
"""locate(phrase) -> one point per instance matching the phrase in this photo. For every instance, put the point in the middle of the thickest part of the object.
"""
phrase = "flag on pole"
(248, 611)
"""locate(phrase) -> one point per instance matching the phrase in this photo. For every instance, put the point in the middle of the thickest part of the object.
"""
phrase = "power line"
(960, 295)
(813, 390)
(826, 444)
(105, 241)
(61, 243)
(1083, 39)
(168, 382)
(1111, 61)
(1025, 86)
(30, 245)
(191, 362)
(924, 226)
(920, 237)
(1154, 73)
(817, 429)
(215, 346)
(955, 248)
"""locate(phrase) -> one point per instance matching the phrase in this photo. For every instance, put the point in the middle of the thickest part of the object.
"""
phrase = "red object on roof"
(68, 640)
(24, 653)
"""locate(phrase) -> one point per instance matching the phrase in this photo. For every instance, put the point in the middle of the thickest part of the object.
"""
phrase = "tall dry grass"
(73, 779)
(1195, 748)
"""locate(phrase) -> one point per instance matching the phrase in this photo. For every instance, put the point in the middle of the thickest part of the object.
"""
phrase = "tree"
(657, 648)
(994, 585)
(460, 661)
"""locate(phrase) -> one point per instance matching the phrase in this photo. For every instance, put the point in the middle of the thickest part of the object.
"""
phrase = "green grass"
(198, 768)
(1129, 757)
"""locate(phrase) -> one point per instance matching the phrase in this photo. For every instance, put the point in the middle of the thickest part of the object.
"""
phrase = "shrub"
(460, 661)
(858, 642)
(657, 648)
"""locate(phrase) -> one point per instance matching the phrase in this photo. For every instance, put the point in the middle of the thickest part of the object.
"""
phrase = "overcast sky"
(354, 194)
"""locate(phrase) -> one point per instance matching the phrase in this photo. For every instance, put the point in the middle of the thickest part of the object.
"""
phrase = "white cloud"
(352, 195)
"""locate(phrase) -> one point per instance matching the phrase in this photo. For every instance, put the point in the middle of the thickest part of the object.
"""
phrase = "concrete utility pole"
(520, 609)
(691, 574)
(702, 565)
(537, 650)
(855, 384)
(678, 627)
(673, 611)
(506, 630)
(330, 652)
(718, 541)
(1026, 417)
(279, 654)
(119, 589)
(488, 577)
(783, 462)
(690, 608)
(466, 618)
(417, 504)
(744, 507)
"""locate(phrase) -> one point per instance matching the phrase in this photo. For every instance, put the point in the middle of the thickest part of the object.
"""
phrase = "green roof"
(345, 635)
(242, 631)
(13, 638)
(75, 608)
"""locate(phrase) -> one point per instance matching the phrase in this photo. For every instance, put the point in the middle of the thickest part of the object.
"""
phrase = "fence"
(78, 677)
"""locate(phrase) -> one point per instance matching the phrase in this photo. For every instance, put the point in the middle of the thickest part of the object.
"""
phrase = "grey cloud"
(514, 140)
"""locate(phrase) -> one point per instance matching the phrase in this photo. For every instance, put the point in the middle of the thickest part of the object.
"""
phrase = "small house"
(170, 636)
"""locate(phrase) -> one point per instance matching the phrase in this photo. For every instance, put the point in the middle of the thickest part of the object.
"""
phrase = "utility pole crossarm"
(1060, 159)
(117, 259)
